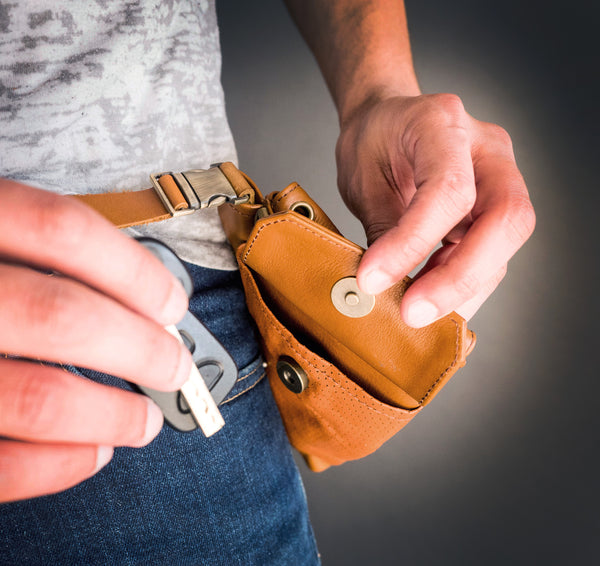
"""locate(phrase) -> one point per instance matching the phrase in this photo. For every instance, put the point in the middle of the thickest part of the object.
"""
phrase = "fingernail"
(421, 313)
(154, 422)
(183, 367)
(176, 304)
(377, 281)
(104, 455)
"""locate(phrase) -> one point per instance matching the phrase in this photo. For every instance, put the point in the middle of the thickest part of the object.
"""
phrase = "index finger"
(49, 231)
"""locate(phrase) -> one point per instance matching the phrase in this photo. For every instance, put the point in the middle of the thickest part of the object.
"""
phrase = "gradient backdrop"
(503, 466)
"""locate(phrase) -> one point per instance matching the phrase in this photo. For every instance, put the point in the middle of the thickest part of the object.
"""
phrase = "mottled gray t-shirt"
(95, 96)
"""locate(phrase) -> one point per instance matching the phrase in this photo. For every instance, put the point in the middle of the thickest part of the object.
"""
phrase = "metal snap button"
(292, 375)
(348, 299)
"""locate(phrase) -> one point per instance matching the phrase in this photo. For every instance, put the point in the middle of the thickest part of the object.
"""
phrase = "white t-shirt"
(95, 96)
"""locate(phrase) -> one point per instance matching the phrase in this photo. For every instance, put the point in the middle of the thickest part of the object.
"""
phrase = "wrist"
(362, 48)
(366, 94)
(353, 105)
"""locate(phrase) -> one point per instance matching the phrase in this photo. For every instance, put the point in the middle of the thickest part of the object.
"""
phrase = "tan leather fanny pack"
(345, 371)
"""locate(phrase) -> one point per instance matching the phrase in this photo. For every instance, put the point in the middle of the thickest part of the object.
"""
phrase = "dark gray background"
(503, 467)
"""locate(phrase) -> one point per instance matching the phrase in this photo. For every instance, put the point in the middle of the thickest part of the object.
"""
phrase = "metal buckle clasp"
(202, 188)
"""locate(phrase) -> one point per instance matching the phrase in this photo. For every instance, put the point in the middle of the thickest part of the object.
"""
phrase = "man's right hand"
(104, 309)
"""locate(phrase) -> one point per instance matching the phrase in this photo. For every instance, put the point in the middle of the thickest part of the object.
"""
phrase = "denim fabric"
(235, 498)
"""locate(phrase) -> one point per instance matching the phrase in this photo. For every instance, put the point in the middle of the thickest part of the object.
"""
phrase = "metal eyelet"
(304, 209)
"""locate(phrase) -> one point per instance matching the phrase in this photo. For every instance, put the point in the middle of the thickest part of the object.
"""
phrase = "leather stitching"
(237, 211)
(449, 367)
(293, 221)
(284, 193)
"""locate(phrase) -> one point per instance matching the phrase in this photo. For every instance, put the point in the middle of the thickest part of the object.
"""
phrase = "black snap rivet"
(292, 375)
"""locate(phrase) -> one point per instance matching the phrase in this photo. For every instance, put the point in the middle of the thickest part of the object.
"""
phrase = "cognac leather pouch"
(346, 372)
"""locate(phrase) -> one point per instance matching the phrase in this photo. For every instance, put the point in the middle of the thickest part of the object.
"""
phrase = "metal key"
(198, 397)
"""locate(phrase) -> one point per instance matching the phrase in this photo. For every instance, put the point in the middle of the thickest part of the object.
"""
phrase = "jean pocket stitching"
(260, 378)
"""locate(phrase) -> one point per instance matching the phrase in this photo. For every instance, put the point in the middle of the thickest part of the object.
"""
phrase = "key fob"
(216, 366)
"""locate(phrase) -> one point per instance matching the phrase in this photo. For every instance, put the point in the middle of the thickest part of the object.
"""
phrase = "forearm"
(362, 48)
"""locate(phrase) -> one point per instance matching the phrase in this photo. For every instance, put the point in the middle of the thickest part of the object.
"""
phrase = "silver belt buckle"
(202, 188)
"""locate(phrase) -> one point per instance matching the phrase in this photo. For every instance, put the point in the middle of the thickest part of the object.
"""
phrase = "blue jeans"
(235, 498)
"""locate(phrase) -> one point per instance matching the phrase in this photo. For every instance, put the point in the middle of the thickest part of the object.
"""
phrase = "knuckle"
(490, 285)
(519, 219)
(138, 272)
(153, 282)
(498, 139)
(467, 286)
(415, 247)
(161, 346)
(500, 274)
(34, 403)
(61, 222)
(450, 104)
(500, 134)
(375, 231)
(457, 193)
(51, 312)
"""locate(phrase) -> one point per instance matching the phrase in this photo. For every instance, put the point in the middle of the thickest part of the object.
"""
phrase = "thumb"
(379, 224)
(379, 207)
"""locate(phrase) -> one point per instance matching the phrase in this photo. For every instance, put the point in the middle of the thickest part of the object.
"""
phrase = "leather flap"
(297, 262)
(333, 419)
